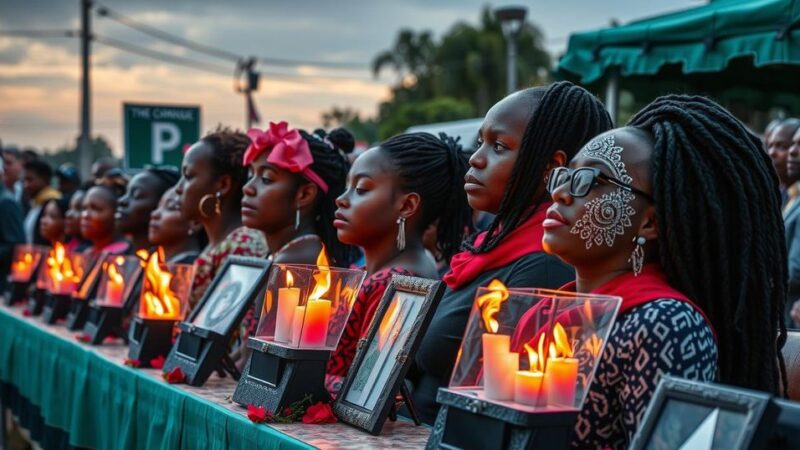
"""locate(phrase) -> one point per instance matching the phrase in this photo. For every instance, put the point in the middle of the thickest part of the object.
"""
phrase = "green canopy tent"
(744, 53)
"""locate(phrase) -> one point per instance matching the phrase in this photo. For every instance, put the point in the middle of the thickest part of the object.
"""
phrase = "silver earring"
(637, 257)
(401, 233)
(297, 219)
(191, 231)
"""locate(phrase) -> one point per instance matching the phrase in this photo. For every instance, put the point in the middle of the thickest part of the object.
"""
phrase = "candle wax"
(297, 323)
(315, 324)
(114, 293)
(287, 302)
(499, 367)
(528, 388)
(560, 379)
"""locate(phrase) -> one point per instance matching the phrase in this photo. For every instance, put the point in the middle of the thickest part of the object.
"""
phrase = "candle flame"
(594, 345)
(490, 302)
(562, 342)
(536, 358)
(289, 279)
(114, 276)
(159, 299)
(60, 267)
(322, 278)
(23, 264)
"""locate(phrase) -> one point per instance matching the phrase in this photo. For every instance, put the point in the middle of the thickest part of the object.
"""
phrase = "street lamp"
(511, 20)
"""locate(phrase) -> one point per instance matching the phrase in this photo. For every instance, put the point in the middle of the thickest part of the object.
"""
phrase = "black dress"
(437, 353)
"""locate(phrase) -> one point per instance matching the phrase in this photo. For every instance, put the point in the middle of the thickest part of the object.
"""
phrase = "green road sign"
(156, 134)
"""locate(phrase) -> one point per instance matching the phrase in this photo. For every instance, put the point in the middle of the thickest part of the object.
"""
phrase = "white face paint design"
(607, 216)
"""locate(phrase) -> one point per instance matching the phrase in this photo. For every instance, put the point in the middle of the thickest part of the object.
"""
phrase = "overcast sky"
(39, 78)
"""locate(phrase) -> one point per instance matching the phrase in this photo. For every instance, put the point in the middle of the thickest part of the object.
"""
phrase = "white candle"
(529, 388)
(560, 378)
(287, 303)
(499, 367)
(297, 323)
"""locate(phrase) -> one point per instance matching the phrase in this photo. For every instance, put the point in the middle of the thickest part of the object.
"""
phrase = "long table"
(90, 394)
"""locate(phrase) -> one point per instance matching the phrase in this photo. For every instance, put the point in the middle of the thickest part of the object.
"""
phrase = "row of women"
(678, 213)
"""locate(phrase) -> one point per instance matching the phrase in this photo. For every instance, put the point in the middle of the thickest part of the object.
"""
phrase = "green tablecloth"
(102, 404)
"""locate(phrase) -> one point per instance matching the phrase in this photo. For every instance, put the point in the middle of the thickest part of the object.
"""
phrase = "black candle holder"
(36, 301)
(148, 339)
(468, 422)
(78, 312)
(107, 320)
(198, 353)
(276, 376)
(56, 307)
(17, 292)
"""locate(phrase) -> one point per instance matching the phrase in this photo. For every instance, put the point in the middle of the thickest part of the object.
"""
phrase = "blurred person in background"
(69, 180)
(36, 186)
(101, 166)
(11, 232)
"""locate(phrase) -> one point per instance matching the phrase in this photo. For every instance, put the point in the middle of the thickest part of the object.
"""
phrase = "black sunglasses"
(583, 179)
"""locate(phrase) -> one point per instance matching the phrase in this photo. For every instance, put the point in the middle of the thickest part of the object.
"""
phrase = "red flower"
(157, 363)
(83, 337)
(132, 362)
(27, 313)
(258, 414)
(320, 412)
(287, 411)
(174, 376)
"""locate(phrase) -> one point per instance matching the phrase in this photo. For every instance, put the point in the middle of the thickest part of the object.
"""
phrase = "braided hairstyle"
(434, 167)
(330, 164)
(564, 117)
(721, 239)
(227, 150)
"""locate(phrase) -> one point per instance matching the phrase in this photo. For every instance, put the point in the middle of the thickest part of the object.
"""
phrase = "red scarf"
(650, 285)
(525, 239)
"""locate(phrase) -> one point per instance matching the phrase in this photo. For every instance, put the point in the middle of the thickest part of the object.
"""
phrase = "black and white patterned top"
(664, 336)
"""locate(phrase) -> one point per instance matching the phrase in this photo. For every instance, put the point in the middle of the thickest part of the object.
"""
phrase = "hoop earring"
(297, 219)
(637, 257)
(401, 233)
(202, 203)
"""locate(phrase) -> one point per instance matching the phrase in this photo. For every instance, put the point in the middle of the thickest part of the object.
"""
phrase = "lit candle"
(528, 388)
(315, 324)
(288, 298)
(499, 367)
(114, 292)
(560, 379)
(23, 268)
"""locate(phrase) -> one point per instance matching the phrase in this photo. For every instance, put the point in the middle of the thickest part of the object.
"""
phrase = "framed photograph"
(384, 355)
(229, 295)
(686, 414)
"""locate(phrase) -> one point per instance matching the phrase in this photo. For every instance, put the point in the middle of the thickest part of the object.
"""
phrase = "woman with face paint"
(522, 137)
(679, 214)
(394, 193)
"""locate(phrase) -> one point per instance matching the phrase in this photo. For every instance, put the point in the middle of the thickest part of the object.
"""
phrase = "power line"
(41, 33)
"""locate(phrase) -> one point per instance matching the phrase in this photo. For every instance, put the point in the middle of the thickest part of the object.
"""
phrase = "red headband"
(289, 151)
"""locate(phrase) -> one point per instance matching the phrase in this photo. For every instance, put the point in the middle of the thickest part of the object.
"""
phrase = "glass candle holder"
(26, 260)
(119, 274)
(165, 289)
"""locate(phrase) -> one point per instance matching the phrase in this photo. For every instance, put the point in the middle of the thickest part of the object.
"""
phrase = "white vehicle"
(466, 130)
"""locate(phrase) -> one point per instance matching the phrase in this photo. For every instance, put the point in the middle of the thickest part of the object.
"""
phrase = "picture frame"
(202, 344)
(692, 414)
(383, 357)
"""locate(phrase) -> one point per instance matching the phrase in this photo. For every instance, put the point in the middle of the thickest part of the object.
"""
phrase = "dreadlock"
(721, 239)
(227, 150)
(434, 167)
(563, 117)
(332, 166)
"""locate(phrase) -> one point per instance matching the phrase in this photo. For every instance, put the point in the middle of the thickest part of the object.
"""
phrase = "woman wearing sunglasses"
(679, 214)
(521, 138)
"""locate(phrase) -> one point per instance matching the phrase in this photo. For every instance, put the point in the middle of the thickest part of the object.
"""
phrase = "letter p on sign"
(166, 136)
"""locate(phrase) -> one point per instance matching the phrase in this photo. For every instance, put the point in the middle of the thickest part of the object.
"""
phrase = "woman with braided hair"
(394, 193)
(522, 137)
(679, 214)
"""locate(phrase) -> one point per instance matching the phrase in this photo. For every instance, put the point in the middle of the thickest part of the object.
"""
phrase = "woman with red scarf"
(522, 137)
(654, 213)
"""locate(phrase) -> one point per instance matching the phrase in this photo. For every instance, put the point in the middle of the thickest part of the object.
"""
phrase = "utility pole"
(84, 140)
(511, 19)
(246, 69)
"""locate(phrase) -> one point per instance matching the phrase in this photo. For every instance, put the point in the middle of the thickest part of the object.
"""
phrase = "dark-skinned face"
(51, 225)
(499, 139)
(140, 199)
(97, 218)
(793, 158)
(167, 224)
(268, 203)
(597, 231)
(32, 183)
(72, 219)
(197, 180)
(369, 207)
(778, 144)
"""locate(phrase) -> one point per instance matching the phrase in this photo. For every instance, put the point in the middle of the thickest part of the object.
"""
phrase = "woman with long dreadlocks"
(679, 214)
(522, 137)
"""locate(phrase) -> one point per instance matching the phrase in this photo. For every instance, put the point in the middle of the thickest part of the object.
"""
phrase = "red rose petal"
(157, 363)
(132, 362)
(175, 376)
(27, 313)
(320, 412)
(256, 414)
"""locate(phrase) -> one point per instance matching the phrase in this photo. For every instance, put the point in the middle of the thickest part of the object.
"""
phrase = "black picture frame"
(749, 415)
(199, 350)
(371, 414)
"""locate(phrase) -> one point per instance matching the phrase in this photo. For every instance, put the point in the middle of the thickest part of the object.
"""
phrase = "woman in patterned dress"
(679, 214)
(210, 191)
(394, 192)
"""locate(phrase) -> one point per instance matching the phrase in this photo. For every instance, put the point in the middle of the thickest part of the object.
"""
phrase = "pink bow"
(288, 151)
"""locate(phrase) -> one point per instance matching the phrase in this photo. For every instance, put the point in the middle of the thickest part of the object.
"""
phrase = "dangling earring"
(637, 257)
(201, 204)
(218, 204)
(401, 233)
(297, 219)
